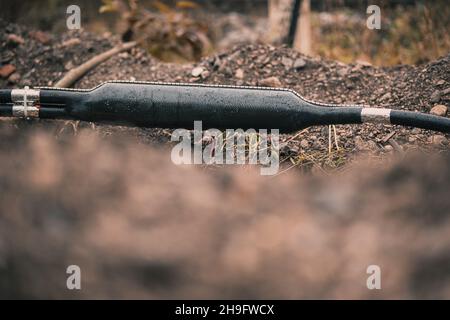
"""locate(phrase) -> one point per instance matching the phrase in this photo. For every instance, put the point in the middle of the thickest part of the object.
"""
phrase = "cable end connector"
(25, 103)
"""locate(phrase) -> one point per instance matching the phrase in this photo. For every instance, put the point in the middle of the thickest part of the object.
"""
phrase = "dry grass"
(408, 35)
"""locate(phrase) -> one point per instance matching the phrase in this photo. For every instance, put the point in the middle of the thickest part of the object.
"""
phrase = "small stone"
(196, 72)
(440, 82)
(14, 78)
(7, 70)
(435, 96)
(69, 66)
(271, 82)
(343, 72)
(15, 39)
(439, 110)
(287, 62)
(239, 74)
(438, 139)
(205, 74)
(299, 63)
(388, 148)
(304, 143)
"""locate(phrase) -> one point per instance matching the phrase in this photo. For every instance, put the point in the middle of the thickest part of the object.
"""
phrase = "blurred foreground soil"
(140, 227)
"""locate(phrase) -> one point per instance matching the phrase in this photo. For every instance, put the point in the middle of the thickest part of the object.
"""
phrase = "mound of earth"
(40, 60)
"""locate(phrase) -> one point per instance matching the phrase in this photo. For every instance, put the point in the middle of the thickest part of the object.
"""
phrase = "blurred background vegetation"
(412, 31)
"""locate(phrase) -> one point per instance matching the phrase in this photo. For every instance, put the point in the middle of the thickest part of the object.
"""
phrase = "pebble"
(196, 72)
(69, 66)
(287, 62)
(14, 78)
(438, 139)
(15, 39)
(7, 70)
(239, 74)
(435, 96)
(205, 74)
(439, 110)
(299, 63)
(271, 82)
(304, 143)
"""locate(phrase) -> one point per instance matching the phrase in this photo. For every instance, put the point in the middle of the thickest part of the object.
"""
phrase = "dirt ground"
(110, 200)
(415, 88)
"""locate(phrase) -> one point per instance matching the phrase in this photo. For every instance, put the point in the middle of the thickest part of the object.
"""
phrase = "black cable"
(177, 105)
(420, 120)
(5, 96)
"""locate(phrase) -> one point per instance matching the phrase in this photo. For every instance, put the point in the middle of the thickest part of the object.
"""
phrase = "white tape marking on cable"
(377, 115)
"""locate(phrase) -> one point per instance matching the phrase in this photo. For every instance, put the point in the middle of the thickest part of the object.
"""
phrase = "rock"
(287, 62)
(343, 72)
(439, 110)
(304, 143)
(15, 39)
(438, 139)
(388, 148)
(69, 66)
(196, 72)
(271, 82)
(440, 82)
(435, 96)
(7, 70)
(205, 74)
(14, 78)
(299, 64)
(239, 74)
